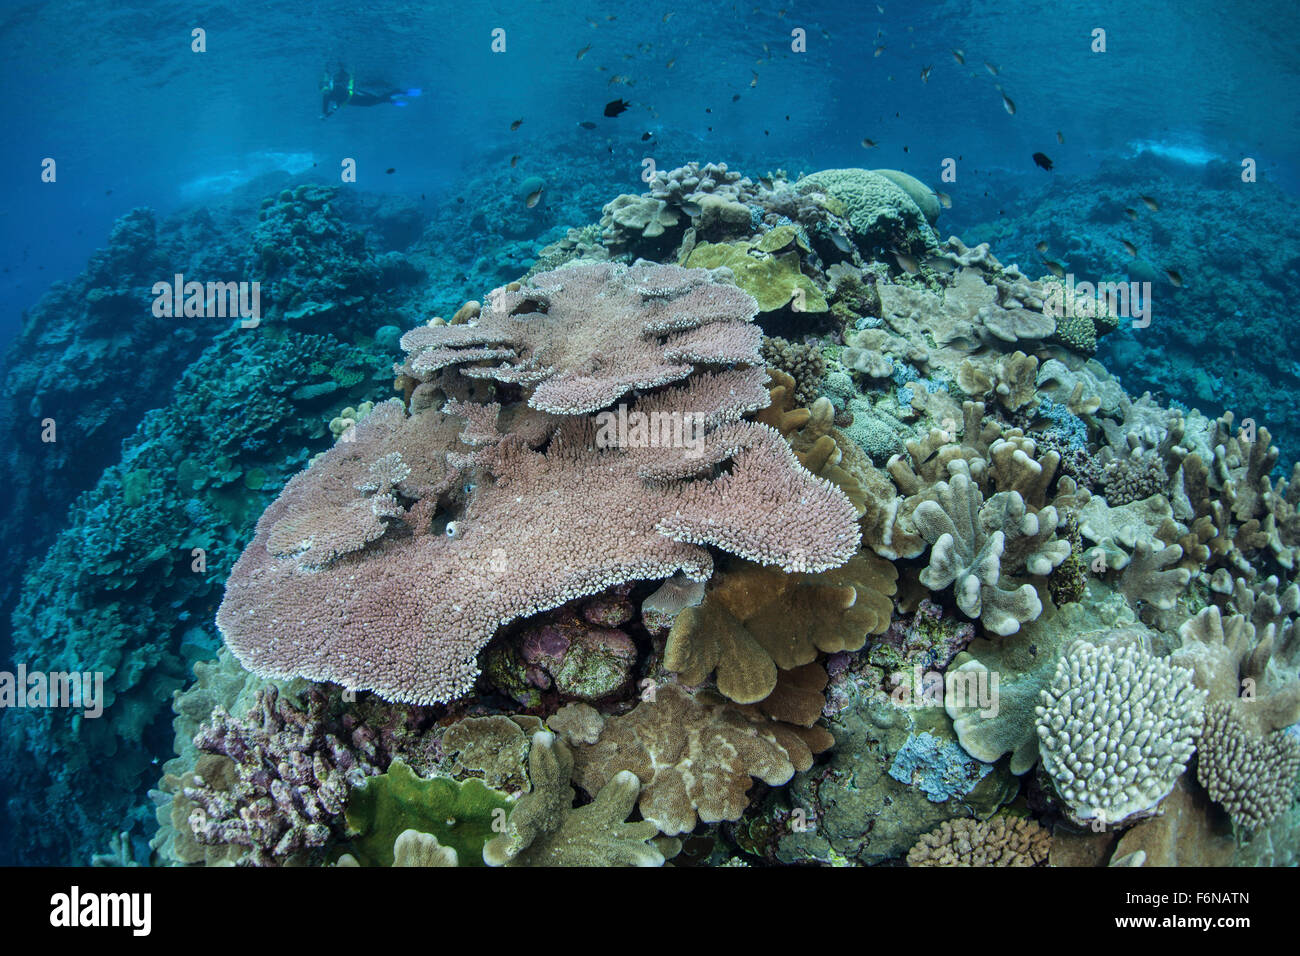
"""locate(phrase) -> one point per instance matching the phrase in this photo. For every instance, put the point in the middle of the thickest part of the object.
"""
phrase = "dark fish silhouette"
(646, 136)
(1040, 159)
(516, 124)
(390, 170)
(587, 124)
(614, 107)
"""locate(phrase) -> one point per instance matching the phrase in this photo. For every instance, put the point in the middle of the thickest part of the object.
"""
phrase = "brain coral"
(1116, 728)
(879, 209)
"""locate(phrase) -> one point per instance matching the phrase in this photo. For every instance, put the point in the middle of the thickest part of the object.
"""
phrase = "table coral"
(585, 335)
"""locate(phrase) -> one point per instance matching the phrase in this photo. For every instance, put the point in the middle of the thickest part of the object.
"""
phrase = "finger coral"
(1252, 776)
(969, 538)
(1116, 728)
(1000, 841)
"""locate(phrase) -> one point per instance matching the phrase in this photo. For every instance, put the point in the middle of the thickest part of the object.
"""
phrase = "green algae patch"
(773, 280)
(460, 814)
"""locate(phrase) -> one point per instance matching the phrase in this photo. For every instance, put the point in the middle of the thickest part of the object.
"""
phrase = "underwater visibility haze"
(592, 434)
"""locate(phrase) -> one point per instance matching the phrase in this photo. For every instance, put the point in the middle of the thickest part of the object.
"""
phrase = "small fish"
(421, 196)
(754, 81)
(533, 199)
(1041, 160)
(672, 63)
(460, 199)
(1060, 137)
(905, 149)
(516, 124)
(708, 109)
(1009, 106)
(691, 209)
(841, 242)
(940, 264)
(1174, 277)
(108, 192)
(925, 74)
(1150, 203)
(621, 78)
(879, 50)
(735, 97)
(1055, 268)
(646, 135)
(868, 143)
(1131, 213)
(614, 107)
(879, 8)
(990, 67)
(944, 199)
(587, 124)
(906, 263)
(1129, 247)
(514, 161)
(668, 16)
(959, 56)
(1041, 247)
(583, 51)
(390, 170)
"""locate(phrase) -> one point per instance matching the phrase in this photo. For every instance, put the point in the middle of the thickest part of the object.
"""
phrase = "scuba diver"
(339, 88)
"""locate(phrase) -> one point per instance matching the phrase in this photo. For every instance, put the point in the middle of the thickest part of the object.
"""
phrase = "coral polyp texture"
(464, 502)
(1116, 728)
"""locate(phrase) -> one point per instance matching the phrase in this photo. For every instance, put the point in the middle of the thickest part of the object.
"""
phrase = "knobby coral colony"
(785, 637)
